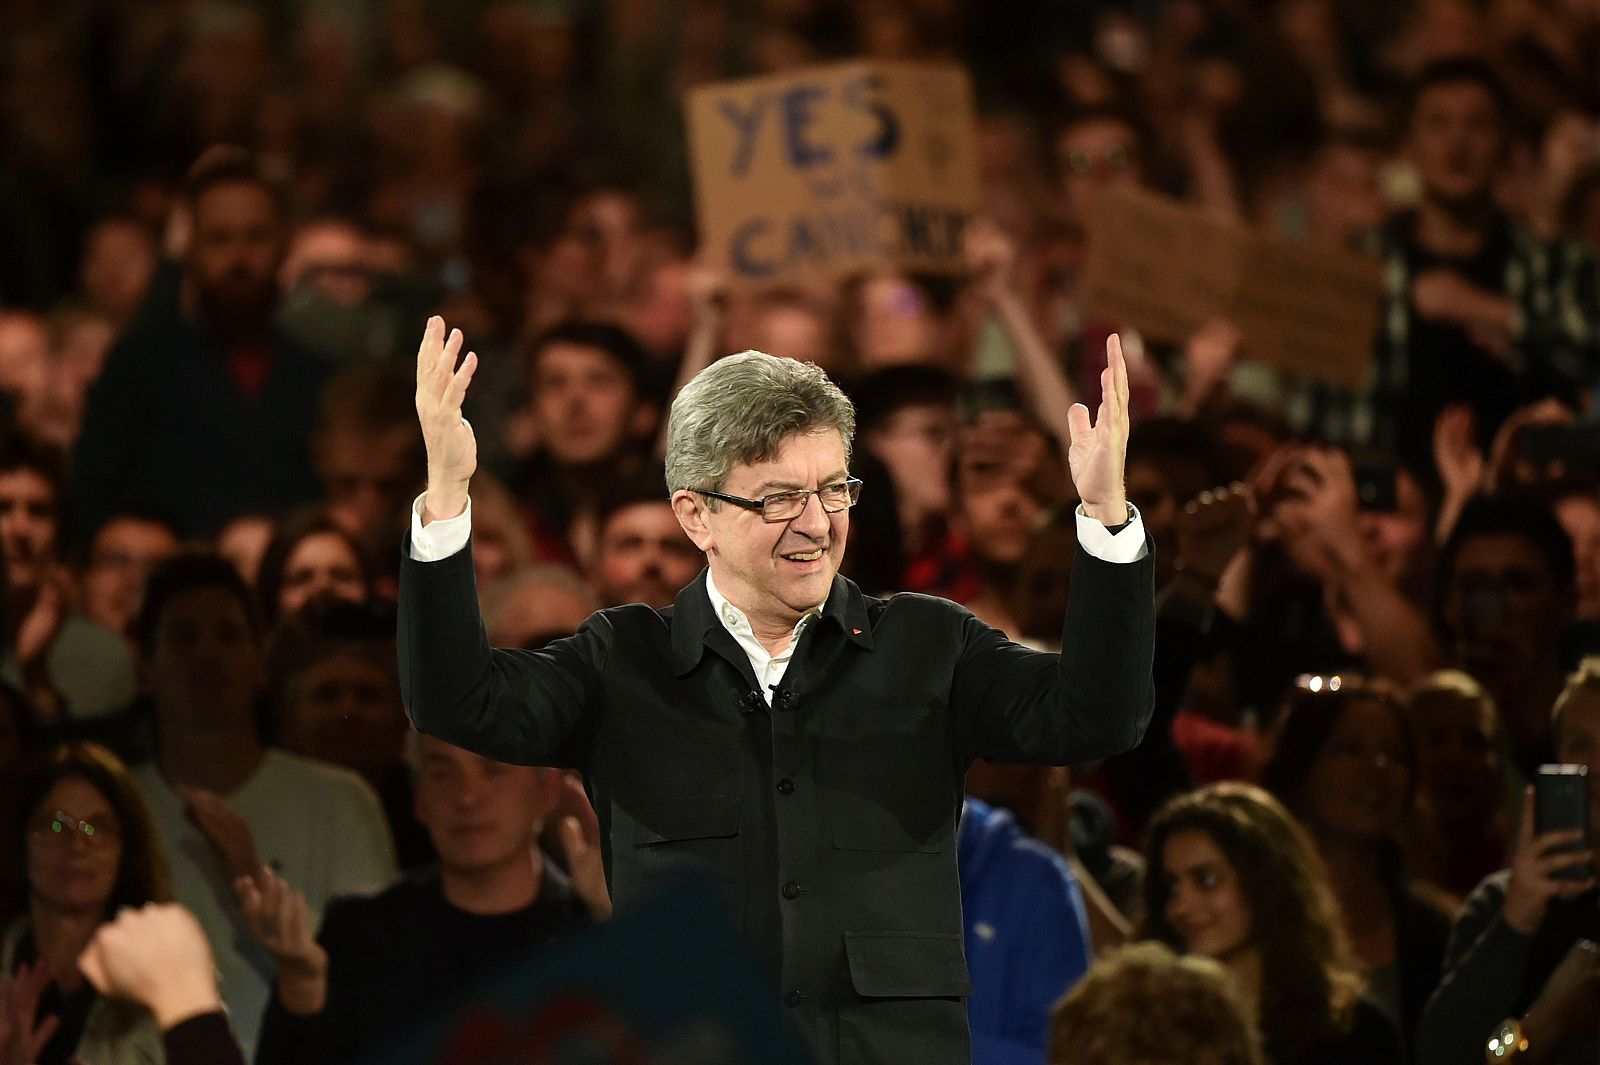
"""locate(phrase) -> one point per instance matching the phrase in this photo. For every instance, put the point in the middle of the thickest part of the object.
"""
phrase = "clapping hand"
(156, 956)
(21, 1039)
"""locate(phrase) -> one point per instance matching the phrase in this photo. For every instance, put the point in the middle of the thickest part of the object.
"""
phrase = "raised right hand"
(1533, 882)
(452, 449)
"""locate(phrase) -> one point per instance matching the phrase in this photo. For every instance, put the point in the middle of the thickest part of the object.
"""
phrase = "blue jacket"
(1027, 935)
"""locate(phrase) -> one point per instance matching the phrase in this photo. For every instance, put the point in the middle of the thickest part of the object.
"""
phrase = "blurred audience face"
(345, 708)
(1344, 192)
(1205, 904)
(118, 258)
(203, 668)
(897, 324)
(533, 609)
(328, 258)
(1359, 786)
(660, 314)
(1502, 606)
(1579, 514)
(323, 563)
(80, 350)
(121, 557)
(70, 868)
(1096, 156)
(1160, 485)
(584, 404)
(1460, 759)
(482, 815)
(234, 253)
(243, 541)
(914, 443)
(644, 556)
(1456, 141)
(24, 357)
(1000, 515)
(369, 480)
(795, 331)
(28, 527)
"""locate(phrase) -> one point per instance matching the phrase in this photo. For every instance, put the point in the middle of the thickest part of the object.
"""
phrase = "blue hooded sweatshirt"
(1027, 935)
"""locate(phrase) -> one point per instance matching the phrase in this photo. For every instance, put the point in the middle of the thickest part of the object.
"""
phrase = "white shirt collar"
(736, 622)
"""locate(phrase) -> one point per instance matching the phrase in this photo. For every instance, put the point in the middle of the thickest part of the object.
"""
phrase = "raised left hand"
(1099, 452)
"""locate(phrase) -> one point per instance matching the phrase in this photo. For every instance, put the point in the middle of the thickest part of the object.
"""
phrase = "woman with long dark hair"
(1344, 762)
(82, 846)
(1232, 877)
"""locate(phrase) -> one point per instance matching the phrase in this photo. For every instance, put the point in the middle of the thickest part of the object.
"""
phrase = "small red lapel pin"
(856, 631)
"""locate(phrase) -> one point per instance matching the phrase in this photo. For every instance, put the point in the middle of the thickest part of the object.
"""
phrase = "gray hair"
(741, 409)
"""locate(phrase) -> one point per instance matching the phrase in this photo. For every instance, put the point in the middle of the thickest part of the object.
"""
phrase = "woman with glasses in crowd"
(1234, 878)
(82, 847)
(1344, 761)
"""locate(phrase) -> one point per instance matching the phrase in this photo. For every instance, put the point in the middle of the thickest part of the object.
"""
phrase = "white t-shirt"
(318, 826)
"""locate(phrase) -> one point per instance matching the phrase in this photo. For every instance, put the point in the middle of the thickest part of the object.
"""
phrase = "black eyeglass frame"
(851, 484)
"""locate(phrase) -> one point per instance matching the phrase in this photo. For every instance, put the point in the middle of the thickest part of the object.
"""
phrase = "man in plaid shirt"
(1476, 310)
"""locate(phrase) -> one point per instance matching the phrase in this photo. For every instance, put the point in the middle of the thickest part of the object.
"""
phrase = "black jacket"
(829, 819)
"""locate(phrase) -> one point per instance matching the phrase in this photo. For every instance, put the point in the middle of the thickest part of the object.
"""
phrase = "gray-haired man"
(804, 744)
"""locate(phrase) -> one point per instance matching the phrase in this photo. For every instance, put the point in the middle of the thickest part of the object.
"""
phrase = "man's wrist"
(175, 1002)
(1109, 513)
(441, 503)
(303, 988)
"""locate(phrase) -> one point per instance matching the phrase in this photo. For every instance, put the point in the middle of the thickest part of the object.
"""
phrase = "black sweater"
(406, 956)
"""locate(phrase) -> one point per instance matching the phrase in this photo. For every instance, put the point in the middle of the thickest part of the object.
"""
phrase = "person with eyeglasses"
(82, 847)
(800, 744)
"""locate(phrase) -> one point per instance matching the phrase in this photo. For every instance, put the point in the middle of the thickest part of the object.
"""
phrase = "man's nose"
(812, 519)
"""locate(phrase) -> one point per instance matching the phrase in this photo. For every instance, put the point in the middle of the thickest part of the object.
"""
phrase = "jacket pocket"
(690, 817)
(907, 964)
(911, 987)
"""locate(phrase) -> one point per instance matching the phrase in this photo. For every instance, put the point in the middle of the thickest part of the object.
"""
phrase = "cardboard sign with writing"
(1166, 269)
(834, 169)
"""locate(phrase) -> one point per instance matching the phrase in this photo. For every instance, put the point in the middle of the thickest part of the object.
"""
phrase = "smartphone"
(1375, 487)
(1561, 803)
(1577, 447)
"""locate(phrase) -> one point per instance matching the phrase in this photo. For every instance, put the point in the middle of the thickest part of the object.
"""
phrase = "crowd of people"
(1378, 609)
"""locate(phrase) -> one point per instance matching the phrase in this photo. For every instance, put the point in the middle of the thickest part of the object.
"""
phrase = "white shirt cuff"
(1102, 543)
(443, 538)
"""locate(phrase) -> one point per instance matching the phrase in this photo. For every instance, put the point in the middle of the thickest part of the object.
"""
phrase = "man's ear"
(690, 510)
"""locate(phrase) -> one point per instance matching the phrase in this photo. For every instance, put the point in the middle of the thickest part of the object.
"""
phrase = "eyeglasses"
(787, 506)
(60, 826)
(1115, 157)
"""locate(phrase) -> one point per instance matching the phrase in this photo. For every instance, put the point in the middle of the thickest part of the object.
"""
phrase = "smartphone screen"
(1561, 803)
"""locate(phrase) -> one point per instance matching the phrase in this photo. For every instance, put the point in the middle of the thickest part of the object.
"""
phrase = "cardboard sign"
(835, 169)
(1166, 269)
